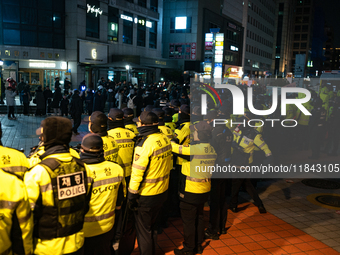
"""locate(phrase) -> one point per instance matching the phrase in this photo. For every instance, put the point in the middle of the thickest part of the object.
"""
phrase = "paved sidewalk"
(293, 225)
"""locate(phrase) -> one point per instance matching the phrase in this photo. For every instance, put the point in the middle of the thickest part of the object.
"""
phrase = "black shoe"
(181, 252)
(262, 209)
(209, 235)
(198, 249)
(223, 231)
(233, 209)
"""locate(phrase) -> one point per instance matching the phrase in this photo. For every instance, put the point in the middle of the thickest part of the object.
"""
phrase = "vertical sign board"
(219, 46)
(208, 54)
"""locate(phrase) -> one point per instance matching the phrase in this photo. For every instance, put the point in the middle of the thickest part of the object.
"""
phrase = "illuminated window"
(180, 25)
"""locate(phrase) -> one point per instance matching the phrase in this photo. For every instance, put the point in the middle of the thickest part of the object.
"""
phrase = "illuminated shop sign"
(136, 20)
(93, 9)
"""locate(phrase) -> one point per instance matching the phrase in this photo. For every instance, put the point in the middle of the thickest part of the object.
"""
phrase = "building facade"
(82, 40)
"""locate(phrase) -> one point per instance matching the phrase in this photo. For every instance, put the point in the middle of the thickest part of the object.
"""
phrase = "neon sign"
(92, 9)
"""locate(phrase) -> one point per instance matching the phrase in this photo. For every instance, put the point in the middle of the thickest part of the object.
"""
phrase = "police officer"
(317, 127)
(16, 229)
(221, 140)
(12, 161)
(168, 118)
(161, 126)
(244, 141)
(129, 124)
(106, 198)
(162, 101)
(334, 123)
(174, 105)
(149, 179)
(58, 191)
(124, 138)
(194, 186)
(98, 125)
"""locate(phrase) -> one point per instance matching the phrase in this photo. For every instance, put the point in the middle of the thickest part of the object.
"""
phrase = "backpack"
(130, 103)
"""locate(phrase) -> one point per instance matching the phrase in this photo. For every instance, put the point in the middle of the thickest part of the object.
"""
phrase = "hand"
(132, 204)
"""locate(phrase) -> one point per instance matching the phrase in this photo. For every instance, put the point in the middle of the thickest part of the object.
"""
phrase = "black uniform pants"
(218, 206)
(146, 229)
(26, 107)
(193, 224)
(235, 188)
(11, 111)
(99, 245)
(76, 122)
(173, 191)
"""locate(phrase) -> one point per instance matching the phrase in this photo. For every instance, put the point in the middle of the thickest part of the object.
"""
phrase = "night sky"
(331, 9)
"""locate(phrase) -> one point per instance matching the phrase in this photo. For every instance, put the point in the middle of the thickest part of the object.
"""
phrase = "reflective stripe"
(133, 191)
(15, 169)
(138, 167)
(99, 218)
(156, 180)
(180, 149)
(203, 156)
(46, 187)
(263, 144)
(166, 148)
(24, 219)
(125, 165)
(6, 252)
(124, 141)
(197, 180)
(4, 204)
(110, 152)
(32, 206)
(107, 181)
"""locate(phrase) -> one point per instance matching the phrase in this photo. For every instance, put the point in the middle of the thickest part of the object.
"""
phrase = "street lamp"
(127, 67)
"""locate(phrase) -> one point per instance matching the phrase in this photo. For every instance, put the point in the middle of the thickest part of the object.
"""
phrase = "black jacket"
(76, 106)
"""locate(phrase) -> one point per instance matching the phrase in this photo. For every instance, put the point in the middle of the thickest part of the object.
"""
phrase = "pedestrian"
(20, 88)
(58, 191)
(194, 186)
(111, 99)
(26, 98)
(48, 95)
(57, 96)
(76, 109)
(67, 86)
(40, 101)
(149, 182)
(97, 101)
(10, 101)
(106, 199)
(64, 106)
(89, 102)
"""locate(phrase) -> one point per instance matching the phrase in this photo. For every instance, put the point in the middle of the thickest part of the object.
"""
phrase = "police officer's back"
(106, 198)
(58, 191)
(161, 125)
(98, 125)
(149, 179)
(129, 124)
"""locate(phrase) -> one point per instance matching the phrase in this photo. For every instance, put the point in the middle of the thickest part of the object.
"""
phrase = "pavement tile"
(238, 248)
(270, 235)
(276, 251)
(262, 252)
(249, 232)
(244, 239)
(262, 230)
(230, 242)
(290, 248)
(294, 240)
(253, 246)
(224, 250)
(329, 251)
(267, 244)
(216, 243)
(236, 233)
(258, 237)
(284, 233)
(304, 246)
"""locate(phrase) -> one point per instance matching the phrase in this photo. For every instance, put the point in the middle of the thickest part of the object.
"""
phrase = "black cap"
(167, 111)
(201, 126)
(210, 115)
(148, 108)
(185, 109)
(55, 130)
(128, 113)
(92, 143)
(159, 112)
(116, 114)
(174, 103)
(147, 118)
(97, 118)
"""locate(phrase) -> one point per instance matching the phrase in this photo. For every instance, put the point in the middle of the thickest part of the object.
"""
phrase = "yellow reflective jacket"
(13, 161)
(16, 219)
(107, 177)
(166, 131)
(175, 117)
(195, 183)
(123, 138)
(151, 166)
(39, 185)
(170, 125)
(182, 133)
(246, 143)
(133, 128)
(110, 149)
(34, 159)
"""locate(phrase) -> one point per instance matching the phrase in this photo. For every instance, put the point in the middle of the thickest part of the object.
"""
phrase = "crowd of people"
(137, 168)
